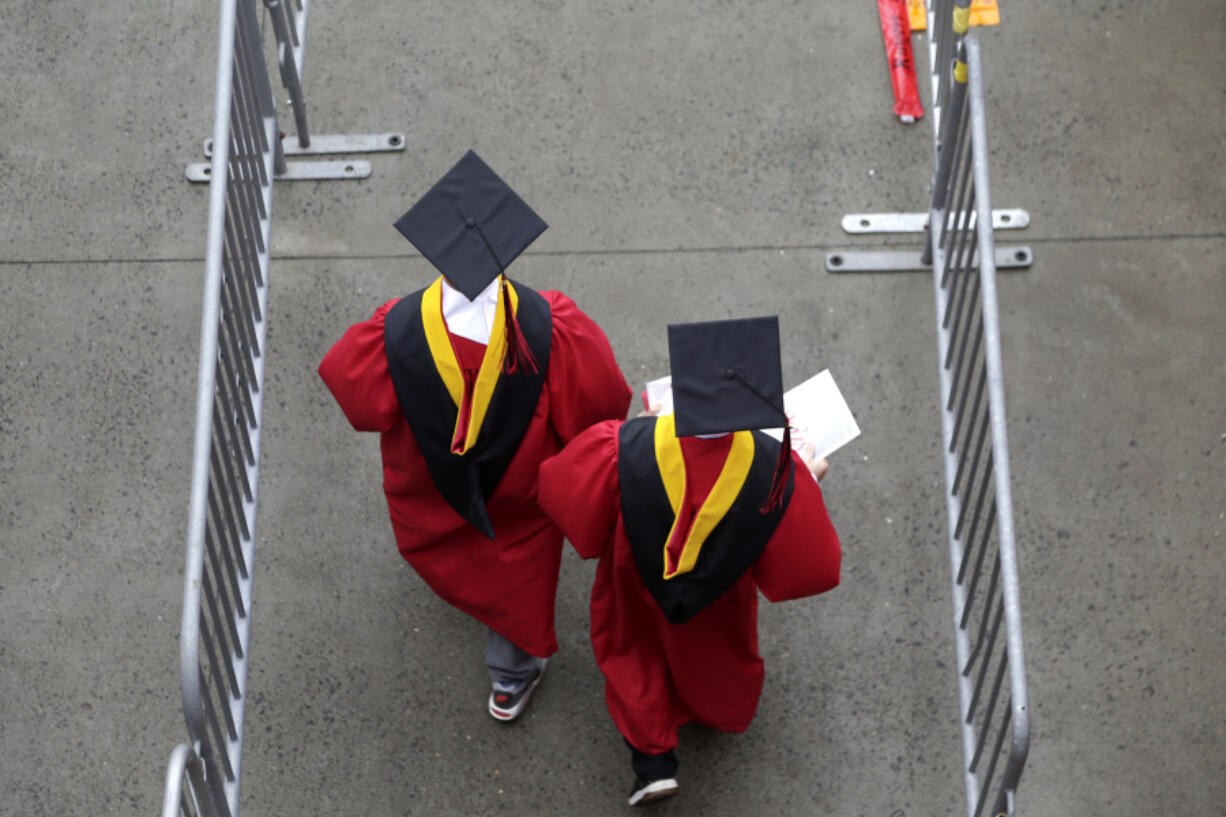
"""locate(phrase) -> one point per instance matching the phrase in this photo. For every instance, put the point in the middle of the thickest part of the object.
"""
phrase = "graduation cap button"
(470, 222)
(730, 373)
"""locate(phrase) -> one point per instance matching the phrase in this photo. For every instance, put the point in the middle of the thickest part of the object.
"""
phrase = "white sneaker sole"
(655, 790)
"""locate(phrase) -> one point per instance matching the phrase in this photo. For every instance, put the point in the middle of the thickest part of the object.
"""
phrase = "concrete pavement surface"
(693, 159)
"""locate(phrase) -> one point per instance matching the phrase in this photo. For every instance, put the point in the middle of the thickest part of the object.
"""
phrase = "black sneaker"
(506, 706)
(648, 791)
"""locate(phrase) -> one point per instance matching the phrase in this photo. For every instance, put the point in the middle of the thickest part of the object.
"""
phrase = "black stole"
(729, 550)
(465, 481)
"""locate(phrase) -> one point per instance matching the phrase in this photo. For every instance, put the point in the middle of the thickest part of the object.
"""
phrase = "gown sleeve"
(585, 384)
(355, 371)
(579, 489)
(803, 557)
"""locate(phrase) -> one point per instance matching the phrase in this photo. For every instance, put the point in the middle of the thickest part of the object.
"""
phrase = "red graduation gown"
(508, 583)
(658, 675)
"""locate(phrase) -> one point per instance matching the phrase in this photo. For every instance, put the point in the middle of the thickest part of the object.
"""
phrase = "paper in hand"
(660, 393)
(818, 415)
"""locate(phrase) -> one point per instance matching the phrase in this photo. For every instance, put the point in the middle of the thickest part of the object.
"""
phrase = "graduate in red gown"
(689, 522)
(471, 383)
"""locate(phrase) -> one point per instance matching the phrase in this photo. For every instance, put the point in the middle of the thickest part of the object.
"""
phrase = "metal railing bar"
(287, 59)
(239, 274)
(229, 377)
(291, 18)
(236, 592)
(234, 519)
(250, 25)
(221, 692)
(978, 448)
(246, 135)
(239, 405)
(237, 441)
(994, 614)
(250, 248)
(967, 488)
(226, 590)
(239, 238)
(979, 500)
(189, 642)
(242, 231)
(1004, 501)
(229, 343)
(959, 341)
(1001, 666)
(233, 544)
(958, 216)
(950, 140)
(219, 631)
(215, 779)
(222, 519)
(960, 273)
(216, 739)
(219, 738)
(937, 28)
(229, 480)
(969, 595)
(1000, 741)
(961, 414)
(957, 174)
(968, 549)
(988, 599)
(962, 303)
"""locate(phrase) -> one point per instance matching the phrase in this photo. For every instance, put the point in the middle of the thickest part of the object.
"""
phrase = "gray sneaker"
(506, 706)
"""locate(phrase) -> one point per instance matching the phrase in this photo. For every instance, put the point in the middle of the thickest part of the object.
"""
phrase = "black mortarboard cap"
(471, 225)
(727, 375)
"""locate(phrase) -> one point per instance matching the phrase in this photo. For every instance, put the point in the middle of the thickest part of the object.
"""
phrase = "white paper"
(660, 393)
(816, 411)
(818, 414)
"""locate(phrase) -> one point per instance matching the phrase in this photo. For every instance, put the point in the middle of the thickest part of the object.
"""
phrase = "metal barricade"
(215, 635)
(960, 250)
(987, 612)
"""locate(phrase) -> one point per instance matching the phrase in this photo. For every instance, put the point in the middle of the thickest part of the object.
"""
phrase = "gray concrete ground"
(693, 162)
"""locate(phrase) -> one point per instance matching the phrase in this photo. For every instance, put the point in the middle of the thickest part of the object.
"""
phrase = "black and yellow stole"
(430, 387)
(727, 534)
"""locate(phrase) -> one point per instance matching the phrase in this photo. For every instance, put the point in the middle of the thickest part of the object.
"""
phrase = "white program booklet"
(660, 393)
(816, 411)
(819, 415)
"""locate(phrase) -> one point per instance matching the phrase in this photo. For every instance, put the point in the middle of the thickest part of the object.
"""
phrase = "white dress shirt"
(473, 319)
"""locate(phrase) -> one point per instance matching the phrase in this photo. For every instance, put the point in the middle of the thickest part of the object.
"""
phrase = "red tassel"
(519, 358)
(783, 468)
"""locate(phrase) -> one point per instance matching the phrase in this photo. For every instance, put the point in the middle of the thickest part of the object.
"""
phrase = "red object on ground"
(896, 31)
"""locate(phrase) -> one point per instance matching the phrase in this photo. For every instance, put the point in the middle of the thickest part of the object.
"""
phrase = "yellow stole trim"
(449, 367)
(727, 486)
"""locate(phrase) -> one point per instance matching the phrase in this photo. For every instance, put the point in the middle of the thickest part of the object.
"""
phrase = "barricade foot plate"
(334, 143)
(296, 171)
(857, 223)
(1007, 258)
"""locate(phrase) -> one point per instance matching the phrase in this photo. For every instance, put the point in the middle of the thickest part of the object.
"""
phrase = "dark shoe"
(648, 791)
(506, 706)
